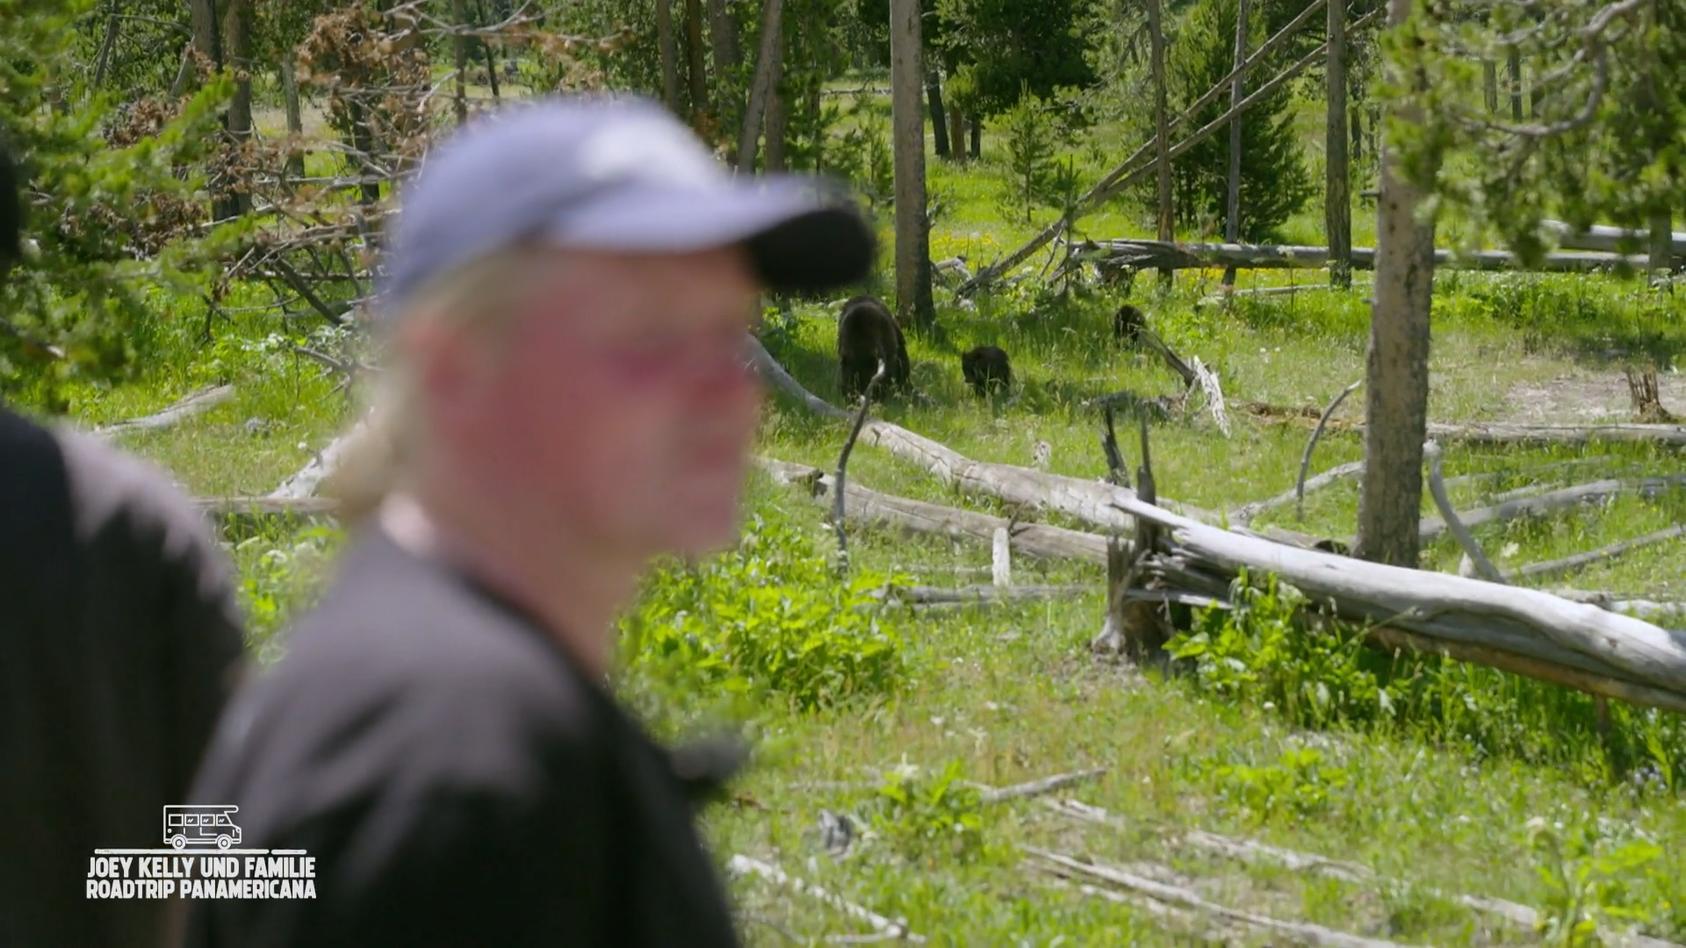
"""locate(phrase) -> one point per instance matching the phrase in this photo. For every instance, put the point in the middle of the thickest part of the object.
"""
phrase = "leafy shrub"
(769, 619)
(1257, 649)
(1300, 782)
(934, 816)
(1597, 882)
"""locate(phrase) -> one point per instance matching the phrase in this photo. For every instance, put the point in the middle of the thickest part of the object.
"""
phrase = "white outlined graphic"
(201, 859)
(201, 825)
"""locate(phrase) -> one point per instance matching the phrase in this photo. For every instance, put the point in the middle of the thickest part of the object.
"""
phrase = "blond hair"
(478, 300)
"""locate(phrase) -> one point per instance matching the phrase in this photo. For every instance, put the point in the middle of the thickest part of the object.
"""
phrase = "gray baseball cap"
(617, 174)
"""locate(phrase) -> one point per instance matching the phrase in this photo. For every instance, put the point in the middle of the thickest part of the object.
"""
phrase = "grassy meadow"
(1443, 780)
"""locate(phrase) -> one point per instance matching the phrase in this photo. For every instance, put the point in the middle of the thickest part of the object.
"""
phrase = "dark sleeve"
(146, 532)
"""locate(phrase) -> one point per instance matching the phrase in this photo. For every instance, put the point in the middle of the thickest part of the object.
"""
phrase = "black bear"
(867, 333)
(1128, 324)
(987, 368)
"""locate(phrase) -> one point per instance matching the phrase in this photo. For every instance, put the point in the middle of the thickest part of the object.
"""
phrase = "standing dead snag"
(1134, 626)
(843, 465)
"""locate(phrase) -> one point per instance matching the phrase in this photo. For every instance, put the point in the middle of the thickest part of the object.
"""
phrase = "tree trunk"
(1356, 117)
(778, 126)
(907, 119)
(102, 61)
(723, 37)
(669, 55)
(939, 122)
(209, 25)
(491, 57)
(459, 49)
(1490, 85)
(1162, 132)
(1513, 72)
(957, 135)
(295, 115)
(766, 71)
(1661, 258)
(1396, 396)
(1237, 92)
(974, 128)
(696, 63)
(1337, 200)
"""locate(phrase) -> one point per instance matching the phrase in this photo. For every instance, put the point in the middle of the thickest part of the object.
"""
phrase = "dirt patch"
(1584, 397)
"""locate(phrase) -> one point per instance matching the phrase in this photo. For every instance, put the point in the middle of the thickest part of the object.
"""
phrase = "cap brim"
(799, 242)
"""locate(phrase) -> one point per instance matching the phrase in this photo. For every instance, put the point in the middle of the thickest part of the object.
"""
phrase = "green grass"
(1437, 801)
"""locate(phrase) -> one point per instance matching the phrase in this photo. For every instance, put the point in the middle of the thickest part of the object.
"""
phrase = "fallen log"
(1523, 621)
(320, 466)
(1609, 239)
(1303, 932)
(1491, 434)
(1647, 609)
(1036, 788)
(1227, 296)
(1472, 549)
(1246, 513)
(195, 403)
(1578, 494)
(741, 865)
(1155, 255)
(222, 507)
(873, 508)
(1311, 445)
(1569, 564)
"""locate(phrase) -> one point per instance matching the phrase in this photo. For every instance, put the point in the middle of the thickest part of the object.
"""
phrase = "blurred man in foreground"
(119, 644)
(568, 291)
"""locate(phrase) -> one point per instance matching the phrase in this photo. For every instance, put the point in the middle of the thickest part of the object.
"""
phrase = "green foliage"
(999, 48)
(767, 620)
(1274, 181)
(1028, 132)
(1603, 138)
(108, 199)
(1599, 882)
(282, 572)
(1259, 649)
(1299, 783)
(930, 817)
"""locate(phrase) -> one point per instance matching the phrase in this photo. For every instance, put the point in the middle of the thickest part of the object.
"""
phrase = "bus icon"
(201, 826)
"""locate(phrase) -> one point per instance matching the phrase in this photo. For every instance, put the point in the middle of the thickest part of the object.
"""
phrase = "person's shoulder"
(403, 673)
(113, 492)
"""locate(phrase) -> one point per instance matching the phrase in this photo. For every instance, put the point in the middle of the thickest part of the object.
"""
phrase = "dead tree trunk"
(766, 69)
(669, 52)
(486, 50)
(221, 35)
(1337, 200)
(939, 121)
(1513, 73)
(913, 250)
(1162, 132)
(1396, 393)
(1237, 92)
(1490, 85)
(696, 63)
(102, 60)
(295, 115)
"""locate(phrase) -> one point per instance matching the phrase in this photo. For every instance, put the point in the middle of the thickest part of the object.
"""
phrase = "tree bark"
(459, 51)
(723, 37)
(1513, 72)
(939, 121)
(102, 61)
(1490, 85)
(220, 33)
(295, 115)
(1237, 92)
(697, 64)
(1661, 257)
(1396, 396)
(957, 135)
(766, 70)
(1337, 199)
(669, 52)
(907, 119)
(491, 58)
(1162, 132)
(974, 128)
(778, 126)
